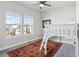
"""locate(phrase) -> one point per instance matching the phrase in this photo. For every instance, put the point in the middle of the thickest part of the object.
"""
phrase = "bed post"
(76, 42)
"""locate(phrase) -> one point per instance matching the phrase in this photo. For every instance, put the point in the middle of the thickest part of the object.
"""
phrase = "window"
(15, 25)
(27, 26)
(12, 24)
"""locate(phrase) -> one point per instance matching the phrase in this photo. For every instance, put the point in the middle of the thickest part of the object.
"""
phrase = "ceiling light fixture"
(41, 5)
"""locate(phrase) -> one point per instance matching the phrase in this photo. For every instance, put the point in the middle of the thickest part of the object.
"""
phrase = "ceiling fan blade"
(43, 2)
(48, 5)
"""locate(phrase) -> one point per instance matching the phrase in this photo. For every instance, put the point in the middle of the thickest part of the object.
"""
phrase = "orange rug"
(32, 50)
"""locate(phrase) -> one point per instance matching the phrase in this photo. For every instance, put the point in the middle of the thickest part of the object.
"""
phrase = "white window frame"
(21, 23)
(31, 25)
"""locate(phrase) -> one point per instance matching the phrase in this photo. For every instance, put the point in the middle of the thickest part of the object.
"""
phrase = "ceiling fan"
(42, 4)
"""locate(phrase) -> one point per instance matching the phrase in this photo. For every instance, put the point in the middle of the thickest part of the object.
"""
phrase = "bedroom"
(22, 24)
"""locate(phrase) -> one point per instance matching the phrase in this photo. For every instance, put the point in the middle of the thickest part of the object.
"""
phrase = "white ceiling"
(55, 4)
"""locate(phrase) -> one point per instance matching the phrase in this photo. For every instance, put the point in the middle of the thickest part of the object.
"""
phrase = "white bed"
(68, 31)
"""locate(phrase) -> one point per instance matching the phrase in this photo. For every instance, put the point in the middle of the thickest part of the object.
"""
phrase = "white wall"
(2, 25)
(66, 14)
(12, 6)
(77, 11)
(23, 11)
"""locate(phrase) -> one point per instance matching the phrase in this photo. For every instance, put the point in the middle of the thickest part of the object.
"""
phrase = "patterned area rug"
(32, 50)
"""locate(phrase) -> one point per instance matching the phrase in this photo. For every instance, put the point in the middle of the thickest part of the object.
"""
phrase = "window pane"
(28, 20)
(12, 24)
(12, 19)
(27, 25)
